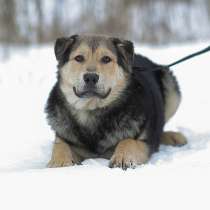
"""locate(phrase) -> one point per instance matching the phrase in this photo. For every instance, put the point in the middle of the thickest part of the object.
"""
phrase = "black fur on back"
(153, 107)
(141, 104)
(152, 81)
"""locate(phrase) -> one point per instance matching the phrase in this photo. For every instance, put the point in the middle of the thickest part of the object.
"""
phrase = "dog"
(103, 105)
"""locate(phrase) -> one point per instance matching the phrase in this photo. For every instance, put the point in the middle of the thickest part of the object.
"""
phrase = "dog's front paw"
(60, 161)
(129, 153)
(62, 155)
(173, 138)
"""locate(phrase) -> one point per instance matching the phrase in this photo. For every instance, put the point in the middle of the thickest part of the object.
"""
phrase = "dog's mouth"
(91, 93)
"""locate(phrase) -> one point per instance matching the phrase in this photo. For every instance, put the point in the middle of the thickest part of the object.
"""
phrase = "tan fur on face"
(129, 153)
(110, 76)
(62, 155)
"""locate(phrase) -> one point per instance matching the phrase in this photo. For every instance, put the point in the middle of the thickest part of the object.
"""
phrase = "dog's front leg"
(62, 155)
(129, 153)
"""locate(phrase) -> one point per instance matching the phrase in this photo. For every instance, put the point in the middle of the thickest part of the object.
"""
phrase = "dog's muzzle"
(90, 88)
(91, 92)
(90, 79)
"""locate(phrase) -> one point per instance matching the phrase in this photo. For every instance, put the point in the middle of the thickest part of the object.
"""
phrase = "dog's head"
(93, 70)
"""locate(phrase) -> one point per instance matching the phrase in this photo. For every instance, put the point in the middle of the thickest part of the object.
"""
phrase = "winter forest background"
(24, 22)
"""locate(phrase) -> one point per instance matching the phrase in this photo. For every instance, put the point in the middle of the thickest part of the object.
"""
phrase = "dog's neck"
(85, 118)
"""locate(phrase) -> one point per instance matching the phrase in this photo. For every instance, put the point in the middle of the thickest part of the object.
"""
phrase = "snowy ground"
(175, 178)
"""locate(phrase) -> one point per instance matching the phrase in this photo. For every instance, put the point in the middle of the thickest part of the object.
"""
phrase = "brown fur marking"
(129, 153)
(173, 138)
(62, 155)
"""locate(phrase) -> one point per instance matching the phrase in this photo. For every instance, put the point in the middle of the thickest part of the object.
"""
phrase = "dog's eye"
(79, 58)
(106, 59)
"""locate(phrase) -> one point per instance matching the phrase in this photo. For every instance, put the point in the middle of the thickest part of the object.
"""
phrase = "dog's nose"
(91, 79)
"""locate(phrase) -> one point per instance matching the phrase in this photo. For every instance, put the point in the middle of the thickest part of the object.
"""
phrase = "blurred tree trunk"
(208, 6)
(8, 24)
(9, 27)
(40, 22)
(57, 28)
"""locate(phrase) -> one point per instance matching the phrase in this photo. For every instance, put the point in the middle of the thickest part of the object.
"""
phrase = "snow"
(174, 178)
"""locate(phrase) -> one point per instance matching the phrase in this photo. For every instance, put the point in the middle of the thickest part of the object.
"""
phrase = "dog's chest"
(100, 132)
(86, 119)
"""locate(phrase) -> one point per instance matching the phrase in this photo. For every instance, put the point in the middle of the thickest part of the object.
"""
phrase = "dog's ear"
(125, 50)
(62, 45)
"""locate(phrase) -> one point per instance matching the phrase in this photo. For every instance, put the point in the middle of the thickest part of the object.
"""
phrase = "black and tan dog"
(101, 106)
